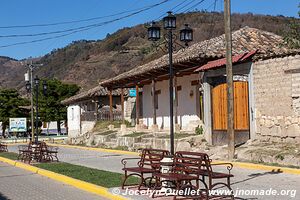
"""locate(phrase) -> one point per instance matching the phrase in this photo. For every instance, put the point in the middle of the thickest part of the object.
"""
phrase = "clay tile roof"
(89, 94)
(239, 58)
(243, 40)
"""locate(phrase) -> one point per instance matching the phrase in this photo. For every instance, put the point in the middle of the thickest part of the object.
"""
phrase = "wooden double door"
(241, 112)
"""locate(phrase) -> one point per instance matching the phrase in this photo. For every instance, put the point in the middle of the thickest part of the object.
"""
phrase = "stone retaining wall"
(277, 99)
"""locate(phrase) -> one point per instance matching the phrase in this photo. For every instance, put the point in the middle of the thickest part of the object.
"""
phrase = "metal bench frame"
(149, 163)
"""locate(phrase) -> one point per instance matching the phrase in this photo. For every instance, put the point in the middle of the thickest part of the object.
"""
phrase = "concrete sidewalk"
(244, 180)
(19, 184)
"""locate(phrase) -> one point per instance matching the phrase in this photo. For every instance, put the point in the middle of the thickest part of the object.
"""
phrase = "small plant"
(93, 143)
(279, 157)
(199, 130)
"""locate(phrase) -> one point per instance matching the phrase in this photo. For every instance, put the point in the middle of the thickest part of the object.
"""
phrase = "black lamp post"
(186, 35)
(28, 88)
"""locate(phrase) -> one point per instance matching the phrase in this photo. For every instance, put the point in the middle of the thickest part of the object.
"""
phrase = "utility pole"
(31, 67)
(229, 77)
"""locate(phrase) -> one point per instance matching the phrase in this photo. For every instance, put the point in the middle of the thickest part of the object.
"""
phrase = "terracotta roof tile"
(238, 58)
(243, 40)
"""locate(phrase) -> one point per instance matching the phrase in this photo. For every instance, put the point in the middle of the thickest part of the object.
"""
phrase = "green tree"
(50, 107)
(10, 106)
(292, 37)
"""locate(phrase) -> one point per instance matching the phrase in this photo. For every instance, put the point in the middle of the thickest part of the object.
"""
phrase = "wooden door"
(241, 108)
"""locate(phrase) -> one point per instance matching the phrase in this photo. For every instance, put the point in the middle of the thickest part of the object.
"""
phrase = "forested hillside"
(87, 62)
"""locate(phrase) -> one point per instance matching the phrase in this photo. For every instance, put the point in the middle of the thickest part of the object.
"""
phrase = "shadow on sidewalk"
(256, 175)
(2, 197)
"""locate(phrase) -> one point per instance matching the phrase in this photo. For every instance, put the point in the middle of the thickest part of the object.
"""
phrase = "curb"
(235, 164)
(89, 187)
(267, 168)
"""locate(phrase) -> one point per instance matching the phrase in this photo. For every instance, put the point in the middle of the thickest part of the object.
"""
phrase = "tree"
(50, 107)
(292, 37)
(10, 106)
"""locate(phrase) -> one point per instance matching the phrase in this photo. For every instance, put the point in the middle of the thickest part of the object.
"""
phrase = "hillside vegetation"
(87, 62)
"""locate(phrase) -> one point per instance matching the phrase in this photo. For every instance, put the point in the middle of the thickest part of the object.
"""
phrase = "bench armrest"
(229, 166)
(124, 161)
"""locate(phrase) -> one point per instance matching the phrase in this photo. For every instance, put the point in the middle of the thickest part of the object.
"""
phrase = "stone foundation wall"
(277, 99)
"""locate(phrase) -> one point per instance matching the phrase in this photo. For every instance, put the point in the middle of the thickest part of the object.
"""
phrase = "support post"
(96, 109)
(110, 105)
(122, 105)
(154, 127)
(154, 102)
(137, 105)
(230, 103)
(176, 99)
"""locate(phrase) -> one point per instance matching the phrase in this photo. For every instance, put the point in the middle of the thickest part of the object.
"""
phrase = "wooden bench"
(182, 176)
(189, 167)
(208, 171)
(3, 147)
(40, 152)
(48, 153)
(149, 163)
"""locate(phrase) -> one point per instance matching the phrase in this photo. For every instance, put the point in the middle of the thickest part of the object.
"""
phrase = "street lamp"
(28, 86)
(45, 87)
(186, 35)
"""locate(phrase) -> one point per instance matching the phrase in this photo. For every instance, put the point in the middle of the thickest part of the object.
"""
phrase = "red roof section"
(222, 62)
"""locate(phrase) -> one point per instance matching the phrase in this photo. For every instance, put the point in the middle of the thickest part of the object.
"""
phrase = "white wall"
(73, 121)
(187, 108)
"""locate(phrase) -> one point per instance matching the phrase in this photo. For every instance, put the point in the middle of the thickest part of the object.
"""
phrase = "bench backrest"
(190, 162)
(150, 158)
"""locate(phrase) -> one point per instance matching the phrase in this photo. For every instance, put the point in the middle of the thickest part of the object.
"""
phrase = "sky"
(37, 12)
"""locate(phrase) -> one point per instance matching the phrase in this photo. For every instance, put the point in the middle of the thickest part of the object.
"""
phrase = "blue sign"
(132, 92)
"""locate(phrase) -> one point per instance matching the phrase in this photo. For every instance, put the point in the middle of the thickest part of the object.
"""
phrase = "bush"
(199, 130)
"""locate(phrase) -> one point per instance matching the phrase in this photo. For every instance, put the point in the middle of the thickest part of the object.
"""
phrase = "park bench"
(182, 175)
(149, 163)
(193, 167)
(40, 152)
(24, 152)
(3, 147)
(208, 171)
(48, 153)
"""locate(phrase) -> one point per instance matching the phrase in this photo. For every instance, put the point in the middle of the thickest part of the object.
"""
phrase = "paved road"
(19, 184)
(245, 179)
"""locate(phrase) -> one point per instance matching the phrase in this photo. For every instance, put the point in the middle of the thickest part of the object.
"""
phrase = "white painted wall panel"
(187, 104)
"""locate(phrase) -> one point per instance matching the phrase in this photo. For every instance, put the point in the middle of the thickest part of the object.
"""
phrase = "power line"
(176, 11)
(73, 21)
(84, 28)
(195, 5)
(171, 9)
(212, 23)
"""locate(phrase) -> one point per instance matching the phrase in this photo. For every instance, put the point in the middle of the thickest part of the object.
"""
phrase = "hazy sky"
(30, 12)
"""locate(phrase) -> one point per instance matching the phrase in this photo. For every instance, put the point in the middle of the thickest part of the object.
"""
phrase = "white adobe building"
(265, 74)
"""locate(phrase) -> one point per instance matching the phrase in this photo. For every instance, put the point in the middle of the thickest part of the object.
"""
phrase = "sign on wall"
(17, 125)
(132, 93)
